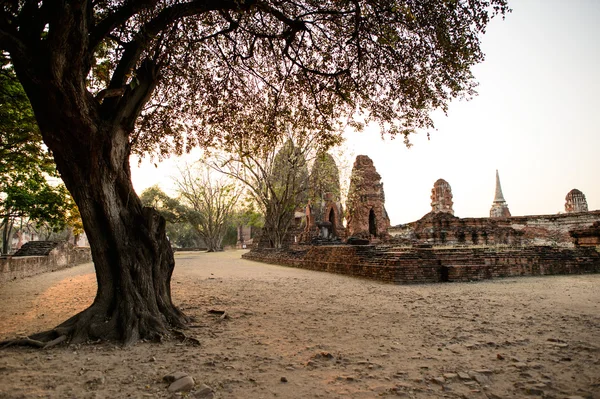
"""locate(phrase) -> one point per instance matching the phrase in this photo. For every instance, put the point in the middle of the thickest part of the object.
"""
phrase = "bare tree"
(209, 202)
(276, 177)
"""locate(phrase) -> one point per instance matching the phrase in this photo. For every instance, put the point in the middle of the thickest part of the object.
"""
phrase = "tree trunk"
(89, 139)
(131, 253)
(6, 233)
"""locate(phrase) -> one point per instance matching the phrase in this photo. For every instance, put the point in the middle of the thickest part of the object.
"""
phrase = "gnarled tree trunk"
(131, 253)
(132, 256)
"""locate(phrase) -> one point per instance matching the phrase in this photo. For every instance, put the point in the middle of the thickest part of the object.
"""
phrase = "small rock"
(182, 384)
(464, 376)
(283, 379)
(96, 379)
(450, 376)
(174, 376)
(439, 380)
(480, 378)
(558, 344)
(533, 391)
(499, 357)
(204, 392)
(540, 385)
(484, 371)
(520, 365)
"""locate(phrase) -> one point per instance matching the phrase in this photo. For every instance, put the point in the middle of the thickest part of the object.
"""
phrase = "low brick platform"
(42, 257)
(429, 265)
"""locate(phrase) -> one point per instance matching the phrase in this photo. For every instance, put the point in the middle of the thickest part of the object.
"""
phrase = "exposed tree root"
(22, 342)
(36, 343)
(180, 335)
(121, 324)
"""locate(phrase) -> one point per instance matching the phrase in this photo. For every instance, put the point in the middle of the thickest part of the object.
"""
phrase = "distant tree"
(25, 166)
(180, 232)
(209, 202)
(205, 203)
(276, 177)
(106, 78)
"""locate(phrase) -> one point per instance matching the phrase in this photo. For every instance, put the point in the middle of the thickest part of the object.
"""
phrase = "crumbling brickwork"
(324, 212)
(445, 229)
(366, 215)
(575, 202)
(441, 197)
(427, 265)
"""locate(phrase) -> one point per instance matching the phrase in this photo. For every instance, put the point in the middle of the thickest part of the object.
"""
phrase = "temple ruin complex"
(438, 247)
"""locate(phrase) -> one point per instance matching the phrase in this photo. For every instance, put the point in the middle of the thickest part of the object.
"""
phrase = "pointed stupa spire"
(499, 206)
(498, 197)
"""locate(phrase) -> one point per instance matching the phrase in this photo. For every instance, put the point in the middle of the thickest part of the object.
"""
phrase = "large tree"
(192, 72)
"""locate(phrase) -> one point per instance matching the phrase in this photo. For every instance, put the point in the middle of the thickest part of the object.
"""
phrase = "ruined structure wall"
(552, 229)
(16, 267)
(516, 230)
(404, 266)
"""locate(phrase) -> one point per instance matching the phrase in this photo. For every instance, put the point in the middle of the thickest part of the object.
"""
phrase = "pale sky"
(536, 119)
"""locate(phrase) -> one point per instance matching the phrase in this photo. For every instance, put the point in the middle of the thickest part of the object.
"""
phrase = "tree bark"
(131, 253)
(89, 139)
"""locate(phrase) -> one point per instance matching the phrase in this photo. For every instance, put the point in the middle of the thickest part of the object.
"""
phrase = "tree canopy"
(252, 67)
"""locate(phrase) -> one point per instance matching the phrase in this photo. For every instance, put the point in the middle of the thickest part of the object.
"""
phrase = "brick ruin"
(36, 257)
(441, 197)
(587, 236)
(438, 247)
(431, 265)
(366, 215)
(324, 211)
(575, 202)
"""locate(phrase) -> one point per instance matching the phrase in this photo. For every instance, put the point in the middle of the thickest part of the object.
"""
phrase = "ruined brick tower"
(441, 197)
(499, 206)
(366, 215)
(324, 213)
(575, 202)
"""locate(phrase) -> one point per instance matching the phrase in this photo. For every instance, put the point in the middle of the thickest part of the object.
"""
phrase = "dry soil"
(292, 333)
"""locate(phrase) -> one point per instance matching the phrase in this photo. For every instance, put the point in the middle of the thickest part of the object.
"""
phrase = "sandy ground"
(326, 336)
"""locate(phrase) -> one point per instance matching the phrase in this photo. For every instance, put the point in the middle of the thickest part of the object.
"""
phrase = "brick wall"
(427, 265)
(14, 267)
(536, 230)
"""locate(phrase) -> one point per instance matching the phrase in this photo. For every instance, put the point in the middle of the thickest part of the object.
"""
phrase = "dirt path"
(328, 336)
